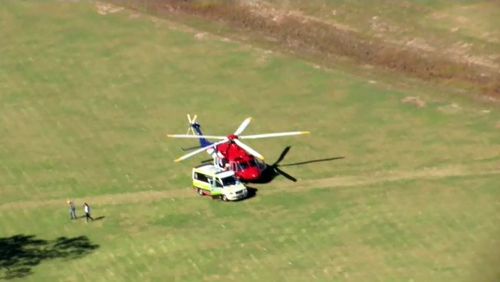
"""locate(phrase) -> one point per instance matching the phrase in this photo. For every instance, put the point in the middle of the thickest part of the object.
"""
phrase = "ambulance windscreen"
(228, 181)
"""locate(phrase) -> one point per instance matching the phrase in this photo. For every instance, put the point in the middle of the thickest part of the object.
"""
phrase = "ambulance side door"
(217, 188)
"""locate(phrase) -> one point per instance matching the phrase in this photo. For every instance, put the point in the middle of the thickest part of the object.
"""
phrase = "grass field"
(88, 92)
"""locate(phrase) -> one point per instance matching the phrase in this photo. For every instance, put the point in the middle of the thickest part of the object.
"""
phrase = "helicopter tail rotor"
(191, 121)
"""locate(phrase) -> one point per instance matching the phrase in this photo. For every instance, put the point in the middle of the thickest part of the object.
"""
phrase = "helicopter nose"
(253, 174)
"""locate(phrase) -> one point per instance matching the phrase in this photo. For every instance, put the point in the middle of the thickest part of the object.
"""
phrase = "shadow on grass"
(273, 170)
(20, 253)
(252, 192)
(95, 219)
(313, 161)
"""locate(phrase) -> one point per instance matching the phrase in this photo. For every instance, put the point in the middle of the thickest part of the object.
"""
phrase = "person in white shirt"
(86, 208)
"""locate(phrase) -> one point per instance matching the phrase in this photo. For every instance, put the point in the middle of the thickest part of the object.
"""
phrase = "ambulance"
(213, 181)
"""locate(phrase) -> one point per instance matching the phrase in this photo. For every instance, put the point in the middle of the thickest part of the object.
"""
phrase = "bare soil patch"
(309, 36)
(105, 8)
(416, 101)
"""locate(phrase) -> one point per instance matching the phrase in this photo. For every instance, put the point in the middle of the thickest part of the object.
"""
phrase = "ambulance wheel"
(200, 191)
(224, 198)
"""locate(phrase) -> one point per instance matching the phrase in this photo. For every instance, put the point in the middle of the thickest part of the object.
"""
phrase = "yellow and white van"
(211, 180)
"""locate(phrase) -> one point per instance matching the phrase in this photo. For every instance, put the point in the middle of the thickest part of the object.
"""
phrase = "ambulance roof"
(210, 169)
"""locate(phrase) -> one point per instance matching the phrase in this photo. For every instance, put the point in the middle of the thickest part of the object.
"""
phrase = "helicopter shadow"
(274, 170)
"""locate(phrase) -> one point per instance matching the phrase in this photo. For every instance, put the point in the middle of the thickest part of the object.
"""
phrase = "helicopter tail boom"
(195, 128)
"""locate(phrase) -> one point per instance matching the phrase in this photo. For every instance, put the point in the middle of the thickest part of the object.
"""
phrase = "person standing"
(72, 209)
(87, 210)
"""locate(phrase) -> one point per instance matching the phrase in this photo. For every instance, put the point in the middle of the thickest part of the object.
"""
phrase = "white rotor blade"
(248, 149)
(195, 136)
(242, 126)
(200, 150)
(269, 135)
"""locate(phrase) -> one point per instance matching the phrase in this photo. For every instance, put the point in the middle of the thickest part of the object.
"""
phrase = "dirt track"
(316, 39)
(301, 186)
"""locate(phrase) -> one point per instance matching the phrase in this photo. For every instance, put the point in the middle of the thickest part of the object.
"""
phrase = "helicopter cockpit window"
(243, 166)
(234, 167)
(260, 164)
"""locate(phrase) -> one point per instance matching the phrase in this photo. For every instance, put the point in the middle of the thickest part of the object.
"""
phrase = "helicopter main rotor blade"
(270, 135)
(242, 126)
(195, 136)
(282, 156)
(248, 149)
(285, 174)
(200, 150)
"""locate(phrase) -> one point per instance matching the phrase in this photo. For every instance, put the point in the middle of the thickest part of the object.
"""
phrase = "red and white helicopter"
(230, 153)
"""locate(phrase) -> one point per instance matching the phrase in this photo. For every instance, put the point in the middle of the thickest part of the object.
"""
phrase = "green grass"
(86, 101)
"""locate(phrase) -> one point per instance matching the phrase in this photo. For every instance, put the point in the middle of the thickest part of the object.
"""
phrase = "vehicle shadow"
(19, 254)
(252, 192)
